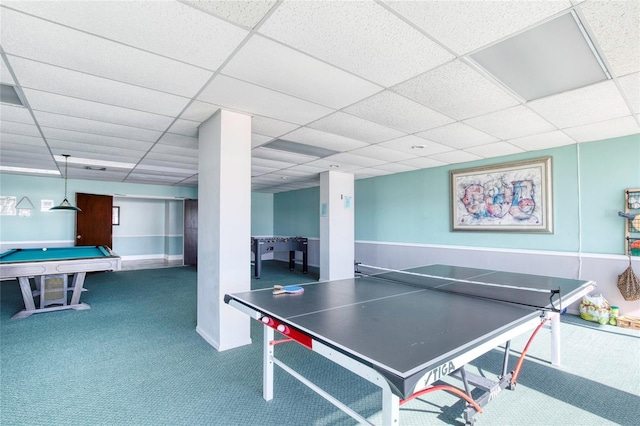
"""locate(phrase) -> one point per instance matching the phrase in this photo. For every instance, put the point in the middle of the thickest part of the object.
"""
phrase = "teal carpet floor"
(134, 358)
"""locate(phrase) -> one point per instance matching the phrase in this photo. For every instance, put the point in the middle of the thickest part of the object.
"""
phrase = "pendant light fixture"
(65, 204)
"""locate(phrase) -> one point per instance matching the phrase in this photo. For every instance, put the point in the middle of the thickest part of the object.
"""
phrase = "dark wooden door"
(93, 223)
(190, 252)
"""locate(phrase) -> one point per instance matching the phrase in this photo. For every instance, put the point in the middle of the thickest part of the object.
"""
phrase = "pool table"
(53, 266)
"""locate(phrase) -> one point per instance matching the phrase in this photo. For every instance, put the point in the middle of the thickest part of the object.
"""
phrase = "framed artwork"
(510, 197)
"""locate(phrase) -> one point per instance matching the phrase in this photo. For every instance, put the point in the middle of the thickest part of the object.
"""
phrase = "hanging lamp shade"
(65, 204)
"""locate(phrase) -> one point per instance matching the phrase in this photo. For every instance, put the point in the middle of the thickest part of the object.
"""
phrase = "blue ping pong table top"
(403, 330)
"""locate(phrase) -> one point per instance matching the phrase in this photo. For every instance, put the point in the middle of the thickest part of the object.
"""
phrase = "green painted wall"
(414, 207)
(261, 214)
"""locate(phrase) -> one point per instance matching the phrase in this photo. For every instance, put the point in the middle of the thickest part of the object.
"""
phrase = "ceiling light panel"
(551, 58)
(307, 136)
(274, 154)
(398, 112)
(453, 157)
(36, 75)
(83, 125)
(245, 13)
(252, 99)
(511, 123)
(458, 135)
(264, 162)
(497, 149)
(110, 142)
(590, 104)
(621, 47)
(355, 128)
(381, 48)
(542, 141)
(604, 130)
(465, 26)
(44, 101)
(415, 145)
(270, 64)
(43, 41)
(9, 95)
(170, 29)
(457, 90)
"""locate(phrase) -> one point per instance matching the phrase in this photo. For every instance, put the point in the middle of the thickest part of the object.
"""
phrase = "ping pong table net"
(482, 288)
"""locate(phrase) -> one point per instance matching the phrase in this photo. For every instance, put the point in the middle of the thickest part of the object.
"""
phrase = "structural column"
(337, 230)
(224, 227)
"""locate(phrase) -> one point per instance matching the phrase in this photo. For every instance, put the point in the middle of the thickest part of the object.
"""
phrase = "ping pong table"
(406, 330)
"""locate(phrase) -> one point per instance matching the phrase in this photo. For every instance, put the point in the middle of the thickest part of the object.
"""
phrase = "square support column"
(224, 227)
(337, 226)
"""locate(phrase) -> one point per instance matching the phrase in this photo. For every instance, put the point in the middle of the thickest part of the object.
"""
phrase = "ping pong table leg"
(267, 364)
(555, 339)
(390, 407)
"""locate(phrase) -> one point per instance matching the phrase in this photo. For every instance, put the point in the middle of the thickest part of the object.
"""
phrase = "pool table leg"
(78, 283)
(27, 295)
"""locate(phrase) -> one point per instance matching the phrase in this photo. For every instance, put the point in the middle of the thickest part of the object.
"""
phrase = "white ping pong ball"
(281, 328)
(44, 249)
(265, 320)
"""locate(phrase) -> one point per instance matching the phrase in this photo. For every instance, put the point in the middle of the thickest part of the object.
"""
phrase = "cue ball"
(44, 249)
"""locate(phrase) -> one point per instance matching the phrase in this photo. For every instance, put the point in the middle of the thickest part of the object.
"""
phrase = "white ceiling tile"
(15, 113)
(162, 179)
(604, 130)
(264, 162)
(371, 172)
(170, 29)
(275, 154)
(112, 175)
(22, 148)
(97, 157)
(589, 104)
(59, 147)
(333, 165)
(361, 37)
(454, 157)
(270, 127)
(396, 167)
(423, 163)
(36, 75)
(76, 124)
(8, 138)
(160, 160)
(621, 47)
(466, 26)
(306, 168)
(542, 141)
(307, 136)
(245, 13)
(297, 173)
(353, 160)
(355, 128)
(395, 111)
(173, 152)
(5, 75)
(260, 170)
(511, 123)
(44, 41)
(199, 111)
(458, 135)
(44, 101)
(457, 90)
(270, 64)
(416, 145)
(631, 86)
(91, 139)
(19, 128)
(257, 140)
(252, 99)
(185, 127)
(496, 149)
(179, 140)
(382, 153)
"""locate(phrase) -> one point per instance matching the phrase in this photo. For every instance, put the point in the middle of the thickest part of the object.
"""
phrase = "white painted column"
(224, 227)
(337, 226)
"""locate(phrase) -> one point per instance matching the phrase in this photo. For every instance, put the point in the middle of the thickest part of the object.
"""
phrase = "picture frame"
(115, 215)
(508, 197)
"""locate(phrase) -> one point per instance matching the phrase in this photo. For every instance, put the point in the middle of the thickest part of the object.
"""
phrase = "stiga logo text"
(439, 372)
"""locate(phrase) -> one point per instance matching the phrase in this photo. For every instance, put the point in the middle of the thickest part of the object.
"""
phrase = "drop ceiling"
(370, 87)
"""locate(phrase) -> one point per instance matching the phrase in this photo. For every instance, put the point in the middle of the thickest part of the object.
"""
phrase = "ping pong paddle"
(289, 289)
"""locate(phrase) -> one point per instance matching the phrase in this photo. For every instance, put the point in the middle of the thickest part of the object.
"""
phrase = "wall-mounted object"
(632, 222)
(24, 207)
